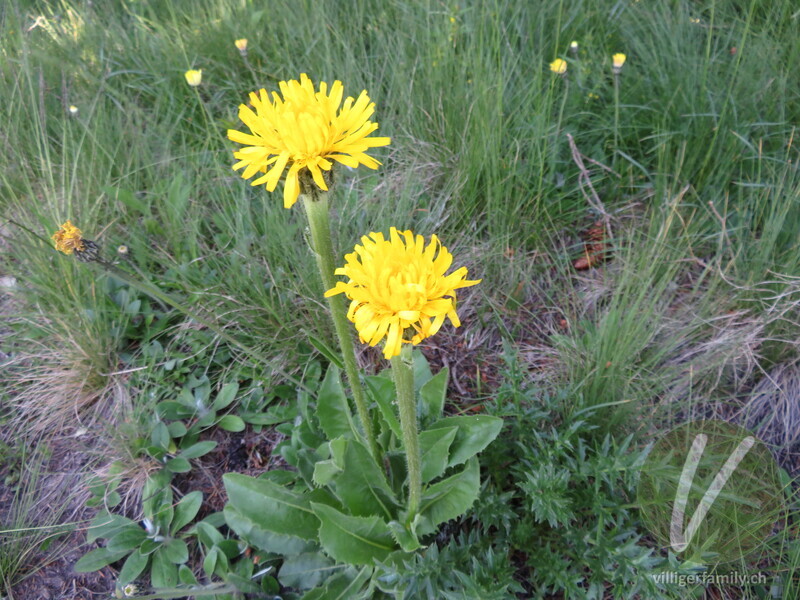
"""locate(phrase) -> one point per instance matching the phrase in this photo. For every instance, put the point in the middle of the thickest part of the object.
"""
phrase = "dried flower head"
(398, 287)
(69, 239)
(194, 77)
(303, 129)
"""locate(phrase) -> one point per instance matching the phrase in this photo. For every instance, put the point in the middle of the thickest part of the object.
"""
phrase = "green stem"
(403, 373)
(616, 119)
(316, 206)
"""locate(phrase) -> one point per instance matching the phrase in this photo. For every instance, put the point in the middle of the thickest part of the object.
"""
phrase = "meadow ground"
(636, 233)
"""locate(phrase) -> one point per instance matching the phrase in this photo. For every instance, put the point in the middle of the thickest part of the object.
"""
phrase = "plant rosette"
(343, 513)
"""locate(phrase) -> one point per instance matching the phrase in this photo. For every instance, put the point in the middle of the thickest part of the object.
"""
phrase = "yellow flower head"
(573, 46)
(559, 66)
(194, 77)
(304, 129)
(68, 239)
(398, 285)
(241, 45)
(617, 61)
(73, 110)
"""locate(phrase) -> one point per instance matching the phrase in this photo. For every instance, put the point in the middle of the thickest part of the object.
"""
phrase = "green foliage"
(156, 544)
(343, 507)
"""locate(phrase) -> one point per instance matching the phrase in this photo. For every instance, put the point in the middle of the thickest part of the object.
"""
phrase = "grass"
(694, 165)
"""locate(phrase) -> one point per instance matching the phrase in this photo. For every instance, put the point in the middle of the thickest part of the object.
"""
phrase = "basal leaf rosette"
(301, 128)
(399, 289)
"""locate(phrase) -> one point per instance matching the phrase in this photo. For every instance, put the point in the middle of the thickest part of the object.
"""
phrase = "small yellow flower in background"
(559, 66)
(618, 60)
(573, 46)
(304, 129)
(194, 77)
(241, 44)
(68, 239)
(73, 110)
(398, 287)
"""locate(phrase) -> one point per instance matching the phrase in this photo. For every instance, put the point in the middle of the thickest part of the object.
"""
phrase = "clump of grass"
(57, 385)
(37, 517)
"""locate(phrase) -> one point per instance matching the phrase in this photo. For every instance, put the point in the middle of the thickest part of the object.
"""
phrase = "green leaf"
(325, 350)
(432, 396)
(226, 395)
(325, 471)
(133, 567)
(106, 525)
(256, 535)
(163, 574)
(272, 506)
(361, 484)
(207, 534)
(422, 371)
(176, 429)
(333, 410)
(186, 510)
(156, 492)
(270, 516)
(197, 450)
(231, 423)
(474, 434)
(176, 551)
(450, 498)
(383, 394)
(210, 561)
(173, 410)
(160, 436)
(305, 571)
(97, 559)
(178, 465)
(434, 446)
(186, 576)
(348, 585)
(129, 199)
(127, 539)
(406, 539)
(354, 540)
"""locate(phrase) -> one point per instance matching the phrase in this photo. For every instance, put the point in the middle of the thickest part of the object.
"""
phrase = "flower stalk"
(315, 202)
(403, 373)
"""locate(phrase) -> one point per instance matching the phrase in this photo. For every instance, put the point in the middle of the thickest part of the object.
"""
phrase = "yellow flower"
(559, 66)
(73, 110)
(398, 286)
(573, 46)
(304, 130)
(241, 45)
(617, 61)
(194, 77)
(69, 239)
